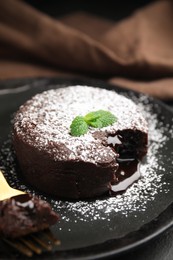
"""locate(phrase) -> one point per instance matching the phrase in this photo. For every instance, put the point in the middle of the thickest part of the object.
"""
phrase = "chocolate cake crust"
(54, 161)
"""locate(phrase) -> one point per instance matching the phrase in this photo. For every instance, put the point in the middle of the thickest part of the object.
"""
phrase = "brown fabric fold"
(136, 53)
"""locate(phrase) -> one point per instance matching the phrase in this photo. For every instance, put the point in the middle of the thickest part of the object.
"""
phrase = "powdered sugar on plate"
(85, 223)
(136, 198)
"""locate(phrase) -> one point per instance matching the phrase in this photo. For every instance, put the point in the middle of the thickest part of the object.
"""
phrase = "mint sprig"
(97, 119)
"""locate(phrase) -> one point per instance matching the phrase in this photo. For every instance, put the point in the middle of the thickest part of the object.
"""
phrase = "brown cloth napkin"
(136, 53)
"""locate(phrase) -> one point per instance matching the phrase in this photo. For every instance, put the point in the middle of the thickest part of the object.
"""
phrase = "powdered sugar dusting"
(137, 197)
(46, 119)
(85, 223)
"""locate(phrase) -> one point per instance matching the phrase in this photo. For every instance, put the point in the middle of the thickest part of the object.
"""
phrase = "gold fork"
(32, 243)
(6, 191)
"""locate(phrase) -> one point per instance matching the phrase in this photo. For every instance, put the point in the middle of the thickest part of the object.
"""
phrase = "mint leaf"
(93, 116)
(78, 126)
(95, 123)
(100, 118)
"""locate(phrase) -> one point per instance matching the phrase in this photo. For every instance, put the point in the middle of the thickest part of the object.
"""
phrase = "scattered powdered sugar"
(136, 197)
(134, 200)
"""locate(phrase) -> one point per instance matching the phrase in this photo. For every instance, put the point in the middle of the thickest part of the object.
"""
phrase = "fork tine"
(19, 246)
(34, 243)
(31, 245)
(40, 241)
(50, 236)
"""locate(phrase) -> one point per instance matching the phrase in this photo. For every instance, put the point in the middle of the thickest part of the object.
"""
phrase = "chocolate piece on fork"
(22, 214)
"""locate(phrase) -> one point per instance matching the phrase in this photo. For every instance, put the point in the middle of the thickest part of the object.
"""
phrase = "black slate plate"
(106, 226)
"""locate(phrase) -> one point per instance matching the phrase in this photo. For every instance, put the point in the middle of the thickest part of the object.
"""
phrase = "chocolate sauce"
(127, 174)
(128, 171)
(24, 201)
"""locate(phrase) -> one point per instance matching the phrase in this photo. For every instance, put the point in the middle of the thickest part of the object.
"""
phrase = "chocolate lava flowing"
(128, 161)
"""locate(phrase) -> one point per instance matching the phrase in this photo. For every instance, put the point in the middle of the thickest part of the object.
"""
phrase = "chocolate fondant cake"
(55, 162)
(24, 214)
